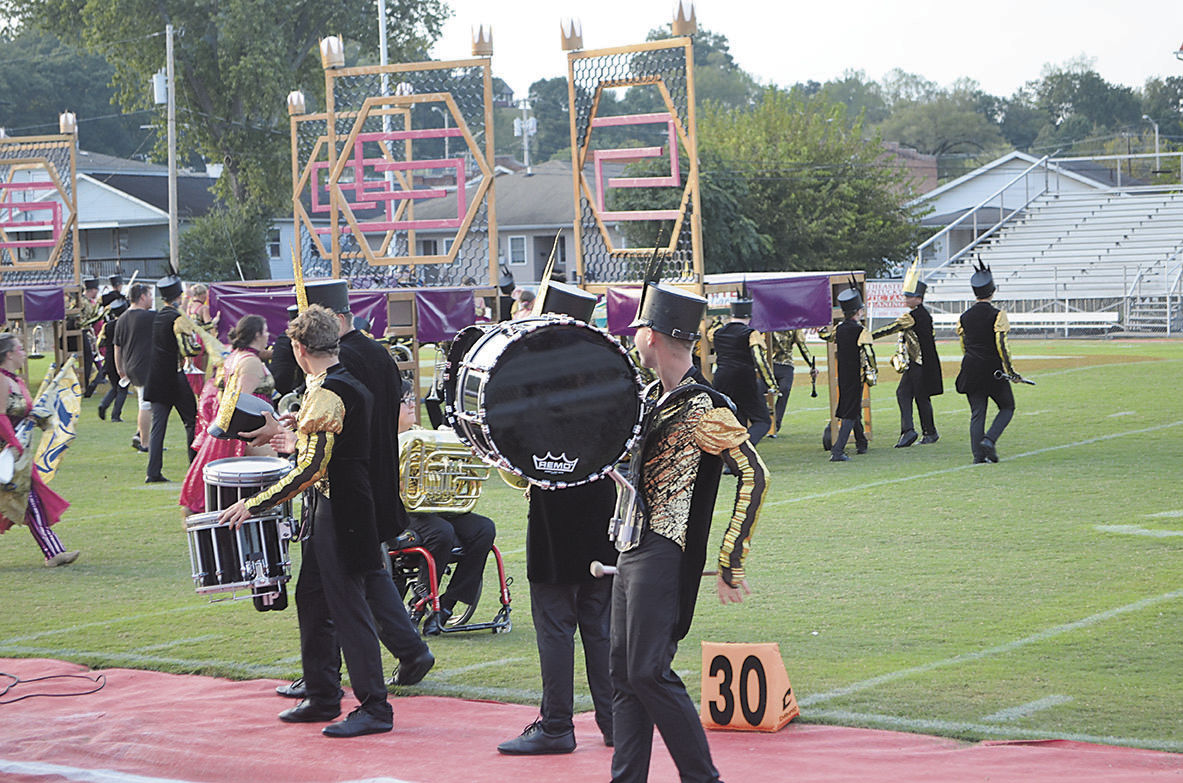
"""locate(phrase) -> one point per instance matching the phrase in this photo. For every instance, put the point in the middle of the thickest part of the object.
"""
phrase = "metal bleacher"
(1101, 260)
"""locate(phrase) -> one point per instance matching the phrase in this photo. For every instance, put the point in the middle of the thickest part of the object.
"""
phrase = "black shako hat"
(505, 281)
(293, 311)
(918, 289)
(115, 280)
(982, 281)
(170, 287)
(247, 416)
(333, 294)
(90, 283)
(564, 299)
(741, 306)
(670, 311)
(850, 300)
(118, 306)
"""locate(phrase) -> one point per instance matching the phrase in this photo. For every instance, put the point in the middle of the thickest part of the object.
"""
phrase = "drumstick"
(599, 570)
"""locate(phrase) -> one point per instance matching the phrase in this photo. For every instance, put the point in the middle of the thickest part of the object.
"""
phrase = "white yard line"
(56, 771)
(1000, 649)
(1135, 530)
(927, 726)
(97, 624)
(1020, 711)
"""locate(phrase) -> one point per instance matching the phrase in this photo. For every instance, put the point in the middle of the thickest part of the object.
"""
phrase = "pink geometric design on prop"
(11, 213)
(373, 192)
(631, 155)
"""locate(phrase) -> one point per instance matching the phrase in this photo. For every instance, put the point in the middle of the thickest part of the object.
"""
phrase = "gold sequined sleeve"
(905, 321)
(322, 417)
(1001, 329)
(961, 336)
(718, 432)
(800, 341)
(760, 357)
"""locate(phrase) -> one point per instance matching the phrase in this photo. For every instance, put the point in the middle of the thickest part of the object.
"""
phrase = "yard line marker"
(175, 642)
(472, 667)
(955, 468)
(41, 769)
(1169, 514)
(1121, 413)
(1134, 530)
(237, 667)
(999, 649)
(1028, 709)
(927, 725)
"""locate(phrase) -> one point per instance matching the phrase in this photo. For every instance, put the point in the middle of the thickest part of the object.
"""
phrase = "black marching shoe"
(927, 439)
(308, 712)
(906, 439)
(359, 723)
(536, 742)
(102, 413)
(860, 449)
(293, 690)
(989, 453)
(839, 457)
(433, 625)
(155, 480)
(410, 672)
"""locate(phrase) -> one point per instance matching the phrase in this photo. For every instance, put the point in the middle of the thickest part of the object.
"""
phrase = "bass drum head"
(461, 344)
(561, 403)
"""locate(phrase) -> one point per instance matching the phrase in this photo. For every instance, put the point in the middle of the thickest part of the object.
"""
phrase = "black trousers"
(558, 610)
(848, 426)
(646, 692)
(440, 535)
(740, 383)
(1004, 398)
(912, 389)
(186, 406)
(115, 397)
(332, 610)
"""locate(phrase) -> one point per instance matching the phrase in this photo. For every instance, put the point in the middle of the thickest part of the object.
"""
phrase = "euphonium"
(437, 473)
(899, 360)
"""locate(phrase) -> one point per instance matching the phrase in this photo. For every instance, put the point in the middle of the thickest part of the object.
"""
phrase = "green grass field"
(908, 589)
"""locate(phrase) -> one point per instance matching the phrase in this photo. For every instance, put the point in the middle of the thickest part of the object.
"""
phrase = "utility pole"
(174, 265)
(525, 126)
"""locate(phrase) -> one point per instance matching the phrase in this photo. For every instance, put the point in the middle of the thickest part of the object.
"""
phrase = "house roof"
(1069, 170)
(194, 198)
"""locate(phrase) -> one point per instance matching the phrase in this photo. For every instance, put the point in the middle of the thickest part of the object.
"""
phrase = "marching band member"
(566, 530)
(739, 355)
(917, 361)
(849, 337)
(985, 366)
(90, 313)
(29, 501)
(332, 443)
(685, 440)
(782, 368)
(166, 387)
(117, 392)
(373, 367)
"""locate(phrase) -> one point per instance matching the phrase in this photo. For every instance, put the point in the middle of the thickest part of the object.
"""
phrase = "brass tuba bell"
(437, 473)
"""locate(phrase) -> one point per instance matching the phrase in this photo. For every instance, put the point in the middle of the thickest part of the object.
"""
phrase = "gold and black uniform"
(783, 344)
(919, 366)
(686, 439)
(983, 330)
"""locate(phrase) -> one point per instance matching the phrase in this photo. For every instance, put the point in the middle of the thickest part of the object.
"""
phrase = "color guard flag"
(66, 405)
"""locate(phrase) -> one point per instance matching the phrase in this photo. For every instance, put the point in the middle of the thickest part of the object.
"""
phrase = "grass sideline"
(908, 589)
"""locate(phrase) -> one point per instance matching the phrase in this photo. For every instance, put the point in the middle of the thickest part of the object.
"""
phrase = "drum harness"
(628, 522)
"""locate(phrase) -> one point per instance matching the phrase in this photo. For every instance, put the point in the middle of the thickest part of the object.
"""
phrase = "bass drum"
(461, 344)
(551, 399)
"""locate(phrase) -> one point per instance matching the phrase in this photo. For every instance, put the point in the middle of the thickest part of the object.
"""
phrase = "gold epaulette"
(1002, 323)
(321, 411)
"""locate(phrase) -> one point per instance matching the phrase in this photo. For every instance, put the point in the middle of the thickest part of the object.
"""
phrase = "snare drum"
(230, 480)
(252, 558)
(551, 399)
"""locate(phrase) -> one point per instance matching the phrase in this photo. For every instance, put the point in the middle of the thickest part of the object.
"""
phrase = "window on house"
(517, 250)
(429, 247)
(273, 242)
(448, 245)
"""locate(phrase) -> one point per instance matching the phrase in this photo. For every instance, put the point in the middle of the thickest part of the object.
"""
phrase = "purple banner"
(793, 303)
(273, 306)
(44, 304)
(443, 313)
(622, 309)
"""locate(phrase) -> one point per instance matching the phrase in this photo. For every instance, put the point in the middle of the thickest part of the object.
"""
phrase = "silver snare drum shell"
(229, 480)
(551, 399)
(253, 556)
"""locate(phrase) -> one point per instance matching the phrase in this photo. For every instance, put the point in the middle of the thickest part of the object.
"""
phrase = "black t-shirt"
(133, 335)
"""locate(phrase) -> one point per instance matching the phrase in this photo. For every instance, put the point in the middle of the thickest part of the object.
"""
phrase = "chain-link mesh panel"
(31, 162)
(601, 264)
(373, 145)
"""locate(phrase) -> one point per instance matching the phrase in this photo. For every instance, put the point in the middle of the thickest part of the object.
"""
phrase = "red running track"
(146, 727)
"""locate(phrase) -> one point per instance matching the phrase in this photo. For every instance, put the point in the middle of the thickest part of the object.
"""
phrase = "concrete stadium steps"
(1080, 245)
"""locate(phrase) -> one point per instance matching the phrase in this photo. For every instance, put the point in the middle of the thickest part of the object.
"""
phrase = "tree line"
(793, 177)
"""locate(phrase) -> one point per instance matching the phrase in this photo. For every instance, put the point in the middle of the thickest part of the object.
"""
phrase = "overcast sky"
(1001, 44)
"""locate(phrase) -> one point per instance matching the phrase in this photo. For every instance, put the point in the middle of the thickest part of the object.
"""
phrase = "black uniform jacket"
(373, 366)
(981, 358)
(922, 327)
(284, 369)
(165, 382)
(567, 530)
(850, 379)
